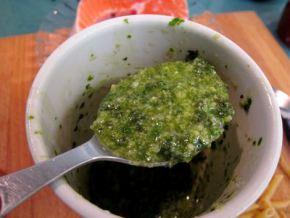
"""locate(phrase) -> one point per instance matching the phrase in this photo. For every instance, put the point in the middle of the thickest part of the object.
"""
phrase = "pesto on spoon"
(166, 113)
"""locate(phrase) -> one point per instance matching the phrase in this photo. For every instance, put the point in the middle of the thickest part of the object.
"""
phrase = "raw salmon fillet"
(92, 11)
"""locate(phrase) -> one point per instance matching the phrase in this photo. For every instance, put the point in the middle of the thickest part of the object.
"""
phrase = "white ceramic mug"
(145, 40)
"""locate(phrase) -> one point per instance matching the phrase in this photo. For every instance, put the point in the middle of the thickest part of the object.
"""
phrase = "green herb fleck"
(171, 53)
(38, 132)
(227, 179)
(81, 116)
(254, 143)
(224, 135)
(125, 58)
(66, 178)
(82, 105)
(88, 86)
(92, 57)
(191, 55)
(225, 172)
(229, 195)
(126, 21)
(90, 95)
(216, 37)
(175, 21)
(55, 152)
(90, 77)
(260, 141)
(129, 36)
(117, 45)
(246, 104)
(74, 144)
(213, 145)
(226, 127)
(60, 126)
(226, 66)
(30, 117)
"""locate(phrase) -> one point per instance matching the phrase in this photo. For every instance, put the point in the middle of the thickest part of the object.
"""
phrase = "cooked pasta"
(281, 204)
(268, 213)
(272, 187)
(249, 214)
(285, 166)
(265, 207)
(282, 214)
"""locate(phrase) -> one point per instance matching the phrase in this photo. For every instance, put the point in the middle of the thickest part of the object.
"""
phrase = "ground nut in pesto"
(169, 112)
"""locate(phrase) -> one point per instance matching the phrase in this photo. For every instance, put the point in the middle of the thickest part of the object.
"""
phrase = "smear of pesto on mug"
(169, 112)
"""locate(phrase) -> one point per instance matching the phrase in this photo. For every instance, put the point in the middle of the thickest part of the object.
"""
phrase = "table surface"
(18, 68)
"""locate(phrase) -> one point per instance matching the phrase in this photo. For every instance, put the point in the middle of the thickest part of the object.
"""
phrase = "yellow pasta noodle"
(268, 206)
(268, 213)
(249, 214)
(282, 214)
(253, 207)
(272, 187)
(285, 166)
(281, 204)
(265, 203)
(265, 207)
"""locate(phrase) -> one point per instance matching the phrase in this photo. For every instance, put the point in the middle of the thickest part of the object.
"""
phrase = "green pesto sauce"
(260, 141)
(90, 78)
(126, 21)
(175, 21)
(92, 57)
(169, 112)
(246, 104)
(30, 117)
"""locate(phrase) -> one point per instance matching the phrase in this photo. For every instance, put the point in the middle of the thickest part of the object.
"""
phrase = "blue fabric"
(25, 16)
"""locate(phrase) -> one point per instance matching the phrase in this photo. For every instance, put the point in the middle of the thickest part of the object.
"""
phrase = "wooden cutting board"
(18, 68)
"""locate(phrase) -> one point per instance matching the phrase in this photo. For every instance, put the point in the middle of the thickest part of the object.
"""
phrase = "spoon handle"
(20, 185)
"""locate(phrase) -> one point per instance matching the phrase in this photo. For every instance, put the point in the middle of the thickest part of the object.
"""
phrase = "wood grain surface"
(18, 68)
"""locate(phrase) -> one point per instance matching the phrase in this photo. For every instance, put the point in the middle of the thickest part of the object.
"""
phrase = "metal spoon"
(284, 103)
(18, 186)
